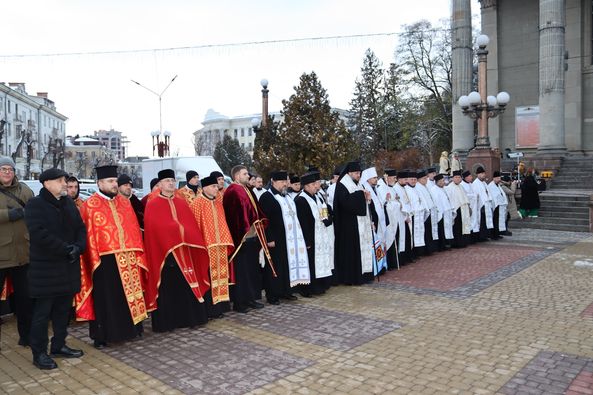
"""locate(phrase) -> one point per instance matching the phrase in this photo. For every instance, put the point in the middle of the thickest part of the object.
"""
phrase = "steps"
(565, 205)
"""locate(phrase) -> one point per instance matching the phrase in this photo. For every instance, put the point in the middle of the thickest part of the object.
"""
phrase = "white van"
(35, 185)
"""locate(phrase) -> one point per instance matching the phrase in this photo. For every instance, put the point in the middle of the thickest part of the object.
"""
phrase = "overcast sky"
(95, 91)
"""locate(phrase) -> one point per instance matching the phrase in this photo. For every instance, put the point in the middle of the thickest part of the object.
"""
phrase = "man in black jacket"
(57, 238)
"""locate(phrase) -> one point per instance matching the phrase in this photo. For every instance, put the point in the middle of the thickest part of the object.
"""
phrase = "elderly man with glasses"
(14, 245)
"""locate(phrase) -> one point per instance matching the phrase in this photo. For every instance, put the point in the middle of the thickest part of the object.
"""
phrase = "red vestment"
(170, 227)
(187, 194)
(242, 211)
(209, 215)
(112, 228)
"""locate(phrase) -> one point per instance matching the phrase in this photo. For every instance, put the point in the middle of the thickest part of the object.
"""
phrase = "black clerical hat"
(496, 174)
(310, 177)
(464, 174)
(279, 175)
(480, 169)
(402, 174)
(391, 172)
(210, 180)
(106, 172)
(153, 182)
(431, 170)
(338, 170)
(438, 177)
(420, 174)
(411, 174)
(166, 173)
(294, 179)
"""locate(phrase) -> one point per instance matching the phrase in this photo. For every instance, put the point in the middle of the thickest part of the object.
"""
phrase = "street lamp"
(264, 95)
(160, 96)
(161, 146)
(479, 106)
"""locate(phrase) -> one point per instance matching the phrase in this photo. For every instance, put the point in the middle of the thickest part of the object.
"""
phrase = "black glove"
(14, 214)
(73, 253)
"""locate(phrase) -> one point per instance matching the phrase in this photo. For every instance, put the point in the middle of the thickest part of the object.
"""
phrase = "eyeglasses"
(6, 170)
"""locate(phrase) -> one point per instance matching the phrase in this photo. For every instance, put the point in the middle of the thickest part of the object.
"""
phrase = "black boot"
(67, 352)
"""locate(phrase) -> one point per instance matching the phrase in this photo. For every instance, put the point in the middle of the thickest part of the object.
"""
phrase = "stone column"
(552, 21)
(461, 31)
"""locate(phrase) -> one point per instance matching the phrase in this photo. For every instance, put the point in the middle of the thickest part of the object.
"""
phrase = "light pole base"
(488, 158)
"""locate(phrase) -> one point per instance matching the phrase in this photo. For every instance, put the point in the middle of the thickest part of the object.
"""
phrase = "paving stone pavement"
(507, 317)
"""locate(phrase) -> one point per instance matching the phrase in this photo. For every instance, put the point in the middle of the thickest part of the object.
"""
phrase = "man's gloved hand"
(73, 253)
(14, 214)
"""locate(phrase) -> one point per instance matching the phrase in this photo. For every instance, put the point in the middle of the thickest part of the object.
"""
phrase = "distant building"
(83, 154)
(216, 126)
(113, 140)
(31, 130)
(132, 166)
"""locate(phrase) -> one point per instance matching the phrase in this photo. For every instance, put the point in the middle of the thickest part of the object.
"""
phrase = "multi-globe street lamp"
(162, 146)
(481, 107)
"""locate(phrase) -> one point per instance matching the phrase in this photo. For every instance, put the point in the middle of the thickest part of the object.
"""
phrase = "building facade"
(113, 140)
(31, 131)
(540, 51)
(83, 154)
(216, 126)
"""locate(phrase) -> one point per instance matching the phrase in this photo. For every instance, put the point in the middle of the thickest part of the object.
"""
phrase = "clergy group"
(186, 255)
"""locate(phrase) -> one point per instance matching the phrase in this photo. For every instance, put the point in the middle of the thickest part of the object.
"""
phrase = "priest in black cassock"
(315, 217)
(290, 260)
(354, 239)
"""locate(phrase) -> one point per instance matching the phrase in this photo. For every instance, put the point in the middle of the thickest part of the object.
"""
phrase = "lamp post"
(264, 98)
(160, 96)
(161, 146)
(481, 107)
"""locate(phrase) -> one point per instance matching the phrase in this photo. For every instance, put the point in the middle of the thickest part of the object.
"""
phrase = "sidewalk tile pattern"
(333, 329)
(553, 373)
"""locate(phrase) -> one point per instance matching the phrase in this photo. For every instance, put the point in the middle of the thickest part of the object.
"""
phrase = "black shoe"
(99, 345)
(67, 352)
(290, 297)
(23, 342)
(44, 362)
(274, 301)
(255, 305)
(240, 308)
(306, 294)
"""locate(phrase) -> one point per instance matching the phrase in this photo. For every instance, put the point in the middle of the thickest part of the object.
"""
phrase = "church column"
(461, 30)
(552, 20)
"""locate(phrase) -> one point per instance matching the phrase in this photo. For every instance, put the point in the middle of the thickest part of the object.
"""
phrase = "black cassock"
(113, 321)
(177, 304)
(275, 287)
(307, 221)
(459, 239)
(348, 206)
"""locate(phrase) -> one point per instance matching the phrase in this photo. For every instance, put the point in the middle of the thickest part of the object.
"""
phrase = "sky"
(93, 49)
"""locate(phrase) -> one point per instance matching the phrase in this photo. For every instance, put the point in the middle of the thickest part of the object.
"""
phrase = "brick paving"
(496, 318)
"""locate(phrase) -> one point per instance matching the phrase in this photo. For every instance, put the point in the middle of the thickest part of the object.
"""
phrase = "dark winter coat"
(53, 225)
(529, 193)
(14, 238)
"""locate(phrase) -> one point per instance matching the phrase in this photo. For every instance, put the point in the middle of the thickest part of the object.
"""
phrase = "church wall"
(518, 52)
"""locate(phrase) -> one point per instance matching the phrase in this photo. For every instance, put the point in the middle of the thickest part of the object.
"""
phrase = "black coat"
(529, 193)
(53, 225)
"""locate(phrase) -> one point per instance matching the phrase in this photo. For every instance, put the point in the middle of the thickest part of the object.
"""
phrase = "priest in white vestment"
(500, 204)
(460, 203)
(484, 205)
(446, 212)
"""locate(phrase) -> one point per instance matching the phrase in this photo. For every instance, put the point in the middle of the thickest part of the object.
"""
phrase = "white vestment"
(458, 199)
(485, 201)
(499, 199)
(473, 204)
(445, 209)
(419, 213)
(431, 206)
(405, 209)
(324, 237)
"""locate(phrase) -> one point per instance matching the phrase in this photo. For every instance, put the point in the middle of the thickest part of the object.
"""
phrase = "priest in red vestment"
(177, 260)
(246, 223)
(113, 268)
(209, 214)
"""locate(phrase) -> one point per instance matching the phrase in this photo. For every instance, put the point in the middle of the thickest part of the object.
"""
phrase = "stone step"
(533, 223)
(564, 214)
(563, 206)
(562, 198)
(555, 220)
